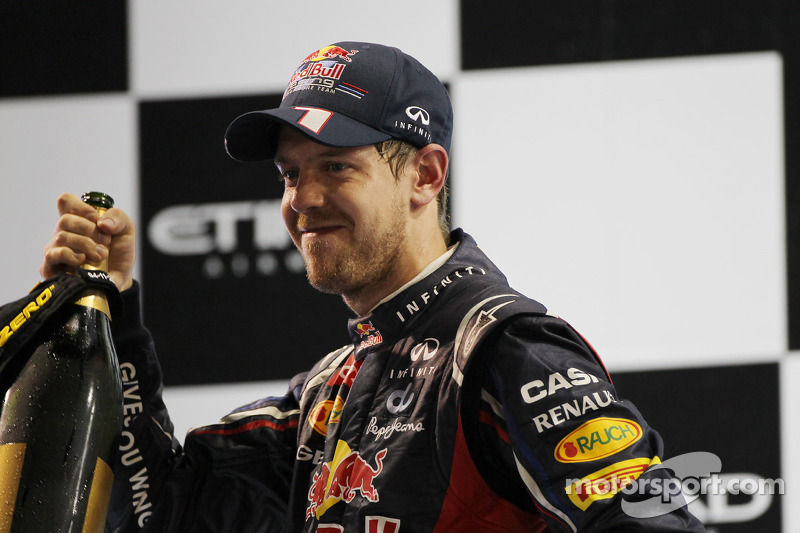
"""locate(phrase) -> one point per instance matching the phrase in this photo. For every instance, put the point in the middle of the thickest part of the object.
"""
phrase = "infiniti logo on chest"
(426, 349)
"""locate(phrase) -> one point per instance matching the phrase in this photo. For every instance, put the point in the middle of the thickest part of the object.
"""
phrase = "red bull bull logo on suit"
(342, 479)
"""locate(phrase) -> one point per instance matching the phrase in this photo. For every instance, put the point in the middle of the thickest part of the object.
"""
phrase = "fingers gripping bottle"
(60, 420)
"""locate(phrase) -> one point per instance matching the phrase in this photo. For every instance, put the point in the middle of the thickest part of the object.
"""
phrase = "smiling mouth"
(323, 230)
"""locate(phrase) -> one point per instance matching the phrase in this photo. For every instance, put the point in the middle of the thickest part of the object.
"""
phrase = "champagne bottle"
(61, 418)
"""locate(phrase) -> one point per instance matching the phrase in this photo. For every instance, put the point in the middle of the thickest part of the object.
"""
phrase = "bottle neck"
(95, 298)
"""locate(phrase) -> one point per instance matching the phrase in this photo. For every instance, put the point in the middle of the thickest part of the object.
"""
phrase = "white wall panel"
(641, 200)
(54, 145)
(189, 47)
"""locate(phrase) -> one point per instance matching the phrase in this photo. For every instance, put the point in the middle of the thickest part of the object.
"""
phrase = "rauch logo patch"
(597, 439)
(319, 416)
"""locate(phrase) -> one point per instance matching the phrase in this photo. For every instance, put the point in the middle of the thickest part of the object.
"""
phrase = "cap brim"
(254, 136)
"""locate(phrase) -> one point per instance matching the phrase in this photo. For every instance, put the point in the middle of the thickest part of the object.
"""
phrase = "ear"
(429, 170)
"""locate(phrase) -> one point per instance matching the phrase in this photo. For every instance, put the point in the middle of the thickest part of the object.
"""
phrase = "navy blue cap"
(350, 94)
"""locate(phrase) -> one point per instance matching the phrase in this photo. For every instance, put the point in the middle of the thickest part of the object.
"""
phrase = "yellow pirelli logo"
(607, 482)
(25, 314)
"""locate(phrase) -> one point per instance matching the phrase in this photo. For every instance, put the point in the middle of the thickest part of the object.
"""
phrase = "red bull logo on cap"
(322, 66)
(332, 71)
(330, 52)
(342, 479)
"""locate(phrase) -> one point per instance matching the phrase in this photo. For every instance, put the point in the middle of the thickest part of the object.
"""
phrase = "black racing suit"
(460, 405)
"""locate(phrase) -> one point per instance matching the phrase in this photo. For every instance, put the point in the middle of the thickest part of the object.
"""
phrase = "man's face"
(346, 212)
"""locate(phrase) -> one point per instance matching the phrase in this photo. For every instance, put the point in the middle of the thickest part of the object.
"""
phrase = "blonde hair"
(397, 154)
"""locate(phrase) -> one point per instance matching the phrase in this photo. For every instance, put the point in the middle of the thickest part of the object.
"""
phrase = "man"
(460, 404)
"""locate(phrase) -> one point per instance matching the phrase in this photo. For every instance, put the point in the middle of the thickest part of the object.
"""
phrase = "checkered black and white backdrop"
(633, 166)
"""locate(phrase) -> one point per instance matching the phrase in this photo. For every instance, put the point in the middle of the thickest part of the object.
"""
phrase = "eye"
(335, 167)
(285, 175)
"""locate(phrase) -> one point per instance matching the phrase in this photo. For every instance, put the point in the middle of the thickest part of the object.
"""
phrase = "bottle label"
(11, 458)
(99, 498)
(96, 300)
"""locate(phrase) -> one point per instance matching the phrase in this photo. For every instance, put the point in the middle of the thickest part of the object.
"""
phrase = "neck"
(409, 262)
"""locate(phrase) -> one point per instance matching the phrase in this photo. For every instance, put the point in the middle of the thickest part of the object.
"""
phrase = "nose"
(307, 194)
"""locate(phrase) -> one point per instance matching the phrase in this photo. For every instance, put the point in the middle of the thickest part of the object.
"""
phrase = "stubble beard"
(355, 269)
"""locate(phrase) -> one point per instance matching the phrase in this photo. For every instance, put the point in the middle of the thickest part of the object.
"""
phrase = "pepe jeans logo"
(596, 439)
(395, 426)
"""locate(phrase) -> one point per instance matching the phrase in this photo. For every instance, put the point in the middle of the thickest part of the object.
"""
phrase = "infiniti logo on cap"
(418, 114)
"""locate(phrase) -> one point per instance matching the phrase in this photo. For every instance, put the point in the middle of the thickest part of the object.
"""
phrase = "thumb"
(114, 222)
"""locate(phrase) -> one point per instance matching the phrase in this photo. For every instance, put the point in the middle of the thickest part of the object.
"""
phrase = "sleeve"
(548, 431)
(228, 477)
